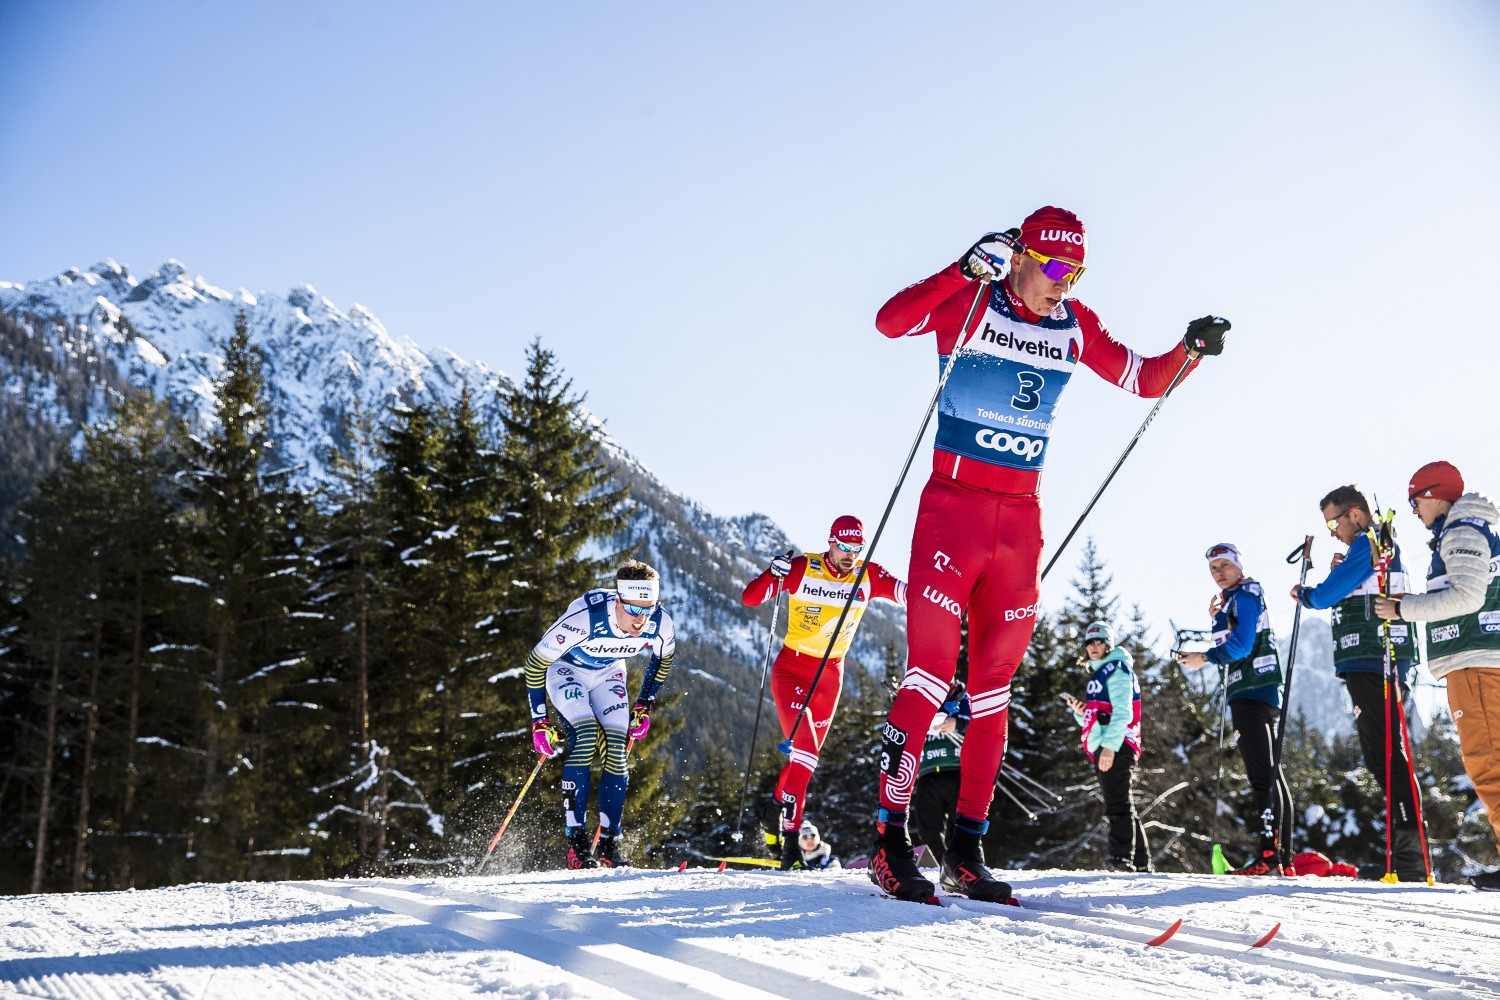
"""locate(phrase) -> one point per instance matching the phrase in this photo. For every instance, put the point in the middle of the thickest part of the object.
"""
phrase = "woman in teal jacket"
(1111, 722)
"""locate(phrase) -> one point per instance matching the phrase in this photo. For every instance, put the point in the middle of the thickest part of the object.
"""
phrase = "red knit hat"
(847, 529)
(1055, 232)
(1438, 480)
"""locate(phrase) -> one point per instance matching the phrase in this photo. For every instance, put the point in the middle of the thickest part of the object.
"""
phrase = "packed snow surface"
(701, 933)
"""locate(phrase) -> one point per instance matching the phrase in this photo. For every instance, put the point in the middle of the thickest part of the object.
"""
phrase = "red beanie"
(1438, 480)
(847, 529)
(1055, 232)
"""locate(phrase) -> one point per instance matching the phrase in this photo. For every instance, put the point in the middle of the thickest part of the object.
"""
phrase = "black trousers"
(934, 801)
(1367, 691)
(1127, 837)
(1255, 725)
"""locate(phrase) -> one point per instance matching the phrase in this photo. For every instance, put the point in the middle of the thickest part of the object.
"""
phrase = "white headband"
(638, 590)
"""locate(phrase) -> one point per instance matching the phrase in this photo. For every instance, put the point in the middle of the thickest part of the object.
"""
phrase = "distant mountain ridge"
(165, 332)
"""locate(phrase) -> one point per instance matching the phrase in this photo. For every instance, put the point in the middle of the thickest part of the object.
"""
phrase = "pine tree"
(258, 710)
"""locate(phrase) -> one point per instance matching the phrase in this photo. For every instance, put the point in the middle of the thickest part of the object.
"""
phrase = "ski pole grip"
(1303, 551)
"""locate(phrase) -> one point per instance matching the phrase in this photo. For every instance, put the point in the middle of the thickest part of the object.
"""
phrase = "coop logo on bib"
(1017, 444)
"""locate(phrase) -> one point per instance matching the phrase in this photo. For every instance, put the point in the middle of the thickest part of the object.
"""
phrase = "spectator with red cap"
(977, 545)
(1462, 609)
(819, 584)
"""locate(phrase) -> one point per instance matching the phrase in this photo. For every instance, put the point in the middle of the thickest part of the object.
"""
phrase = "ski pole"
(506, 822)
(760, 704)
(1181, 373)
(1386, 547)
(1304, 553)
(1219, 781)
(785, 746)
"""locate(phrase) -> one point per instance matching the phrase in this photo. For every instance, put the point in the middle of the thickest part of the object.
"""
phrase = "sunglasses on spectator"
(1333, 522)
(1417, 495)
(1057, 268)
(856, 549)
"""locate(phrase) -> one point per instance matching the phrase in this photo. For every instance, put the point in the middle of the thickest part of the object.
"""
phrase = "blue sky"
(700, 208)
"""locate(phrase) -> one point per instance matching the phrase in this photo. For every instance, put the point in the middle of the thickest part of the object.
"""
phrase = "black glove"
(1206, 335)
(977, 263)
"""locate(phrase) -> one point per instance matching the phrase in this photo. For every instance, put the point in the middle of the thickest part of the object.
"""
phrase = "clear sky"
(700, 207)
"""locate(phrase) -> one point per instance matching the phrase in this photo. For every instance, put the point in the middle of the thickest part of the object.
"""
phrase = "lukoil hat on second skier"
(848, 529)
(1437, 480)
(1099, 630)
(1055, 232)
(1225, 550)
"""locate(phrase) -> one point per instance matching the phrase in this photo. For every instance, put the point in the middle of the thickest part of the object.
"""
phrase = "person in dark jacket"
(1349, 592)
(1245, 649)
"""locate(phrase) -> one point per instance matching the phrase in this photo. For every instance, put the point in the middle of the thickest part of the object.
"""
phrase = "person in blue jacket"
(1350, 592)
(1245, 649)
(1111, 723)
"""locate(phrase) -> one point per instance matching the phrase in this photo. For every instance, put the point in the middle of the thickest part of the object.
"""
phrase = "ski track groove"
(597, 948)
(1322, 962)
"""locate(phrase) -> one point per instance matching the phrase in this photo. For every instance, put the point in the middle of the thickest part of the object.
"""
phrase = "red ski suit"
(817, 595)
(977, 544)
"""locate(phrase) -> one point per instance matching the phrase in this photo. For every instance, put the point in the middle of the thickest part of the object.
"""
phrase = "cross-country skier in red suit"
(819, 584)
(978, 538)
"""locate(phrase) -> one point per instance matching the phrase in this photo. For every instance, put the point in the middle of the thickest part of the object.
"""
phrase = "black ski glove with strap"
(1206, 336)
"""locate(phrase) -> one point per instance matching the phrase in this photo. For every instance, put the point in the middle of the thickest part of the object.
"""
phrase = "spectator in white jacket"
(1462, 609)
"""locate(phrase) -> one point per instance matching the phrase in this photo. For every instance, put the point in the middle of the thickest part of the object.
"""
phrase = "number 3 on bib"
(1029, 396)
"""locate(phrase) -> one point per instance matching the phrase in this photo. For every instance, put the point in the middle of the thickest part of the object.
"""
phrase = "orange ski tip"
(723, 865)
(1165, 935)
(1267, 939)
(682, 867)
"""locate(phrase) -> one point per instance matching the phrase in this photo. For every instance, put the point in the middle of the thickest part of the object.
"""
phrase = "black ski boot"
(791, 854)
(608, 853)
(964, 870)
(1488, 881)
(893, 864)
(580, 851)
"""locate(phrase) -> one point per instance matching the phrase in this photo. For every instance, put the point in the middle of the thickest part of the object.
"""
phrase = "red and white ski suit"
(977, 544)
(817, 595)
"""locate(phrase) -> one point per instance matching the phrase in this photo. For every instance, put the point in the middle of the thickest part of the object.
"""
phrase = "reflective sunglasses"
(1417, 495)
(1333, 522)
(635, 611)
(1057, 268)
(1219, 550)
(856, 549)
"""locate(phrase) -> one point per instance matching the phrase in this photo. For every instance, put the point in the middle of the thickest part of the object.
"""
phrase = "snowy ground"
(699, 934)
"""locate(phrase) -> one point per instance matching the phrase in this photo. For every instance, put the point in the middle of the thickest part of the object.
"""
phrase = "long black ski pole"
(1181, 373)
(760, 704)
(785, 746)
(1304, 552)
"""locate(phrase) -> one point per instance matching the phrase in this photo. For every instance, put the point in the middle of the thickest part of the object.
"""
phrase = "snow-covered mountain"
(165, 333)
(699, 935)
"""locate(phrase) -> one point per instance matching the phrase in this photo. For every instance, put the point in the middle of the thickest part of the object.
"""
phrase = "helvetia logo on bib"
(1020, 445)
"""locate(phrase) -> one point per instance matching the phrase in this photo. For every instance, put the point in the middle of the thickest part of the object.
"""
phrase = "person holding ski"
(977, 543)
(819, 584)
(580, 666)
(1349, 593)
(934, 802)
(1245, 649)
(1462, 609)
(1111, 724)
